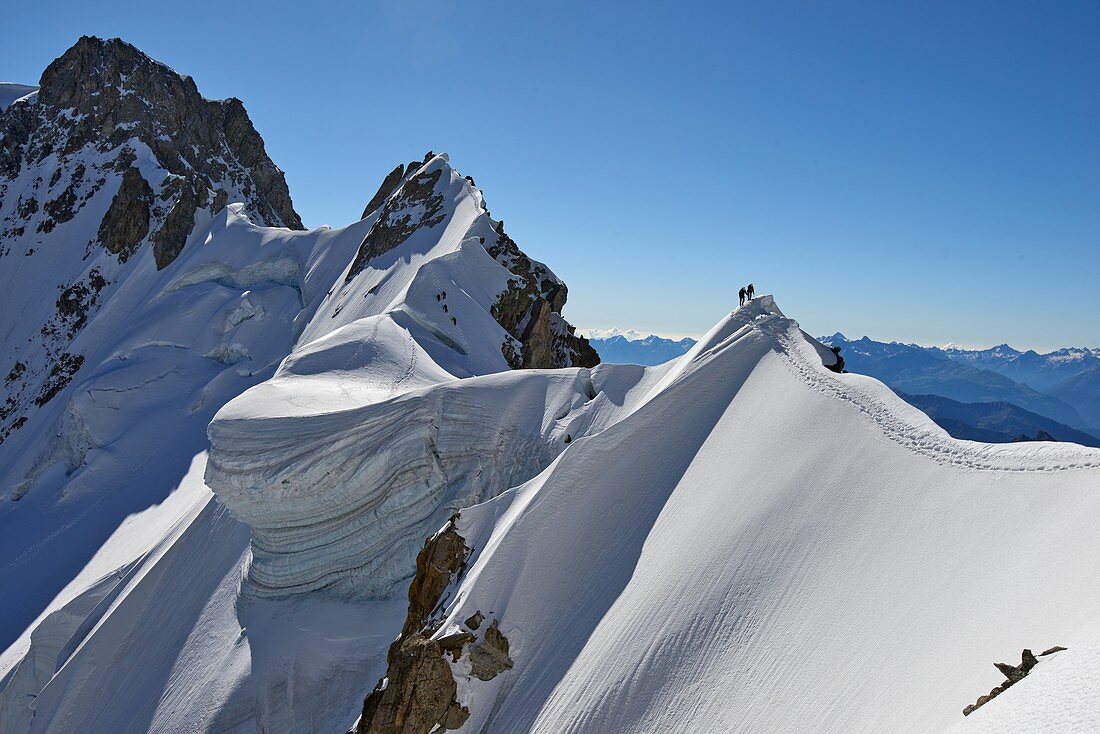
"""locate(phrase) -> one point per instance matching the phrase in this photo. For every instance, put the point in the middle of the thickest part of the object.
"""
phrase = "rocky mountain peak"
(113, 156)
(422, 196)
(101, 106)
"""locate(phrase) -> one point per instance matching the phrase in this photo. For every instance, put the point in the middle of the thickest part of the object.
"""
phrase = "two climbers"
(746, 294)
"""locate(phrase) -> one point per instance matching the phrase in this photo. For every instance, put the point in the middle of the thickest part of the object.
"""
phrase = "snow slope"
(195, 619)
(764, 545)
(161, 356)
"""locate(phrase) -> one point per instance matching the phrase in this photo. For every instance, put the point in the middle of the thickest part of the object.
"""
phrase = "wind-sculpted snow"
(366, 439)
(342, 501)
(155, 351)
(764, 545)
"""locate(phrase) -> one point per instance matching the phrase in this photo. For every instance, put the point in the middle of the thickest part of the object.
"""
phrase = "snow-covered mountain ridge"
(740, 539)
(123, 344)
(761, 561)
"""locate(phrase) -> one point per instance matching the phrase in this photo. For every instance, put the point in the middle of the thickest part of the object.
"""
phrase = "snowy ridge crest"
(741, 527)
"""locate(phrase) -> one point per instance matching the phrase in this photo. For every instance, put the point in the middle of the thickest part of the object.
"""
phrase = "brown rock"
(418, 694)
(530, 310)
(443, 555)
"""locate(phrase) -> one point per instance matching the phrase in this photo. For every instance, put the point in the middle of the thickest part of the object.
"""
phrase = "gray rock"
(489, 658)
(1013, 674)
(389, 184)
(127, 220)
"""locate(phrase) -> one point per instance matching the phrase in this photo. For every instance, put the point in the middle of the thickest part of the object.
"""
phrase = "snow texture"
(765, 545)
(120, 551)
(737, 540)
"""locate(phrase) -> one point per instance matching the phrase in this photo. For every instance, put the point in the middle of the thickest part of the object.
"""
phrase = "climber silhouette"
(444, 308)
(741, 295)
(750, 292)
(454, 321)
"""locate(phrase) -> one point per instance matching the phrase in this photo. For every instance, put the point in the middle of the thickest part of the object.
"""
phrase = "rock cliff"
(114, 154)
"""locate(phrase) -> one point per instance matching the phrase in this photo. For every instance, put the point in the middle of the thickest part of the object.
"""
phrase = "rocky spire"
(413, 198)
(102, 106)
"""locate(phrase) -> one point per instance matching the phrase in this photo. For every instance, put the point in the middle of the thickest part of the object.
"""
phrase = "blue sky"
(923, 172)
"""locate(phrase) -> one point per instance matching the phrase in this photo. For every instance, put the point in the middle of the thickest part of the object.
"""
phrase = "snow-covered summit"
(105, 173)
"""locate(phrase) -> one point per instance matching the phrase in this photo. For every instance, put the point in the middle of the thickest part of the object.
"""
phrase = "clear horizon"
(925, 175)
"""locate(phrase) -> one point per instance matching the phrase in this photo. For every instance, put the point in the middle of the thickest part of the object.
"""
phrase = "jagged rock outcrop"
(415, 205)
(114, 153)
(419, 693)
(490, 658)
(1013, 674)
(126, 222)
(530, 310)
(391, 182)
(444, 555)
(411, 200)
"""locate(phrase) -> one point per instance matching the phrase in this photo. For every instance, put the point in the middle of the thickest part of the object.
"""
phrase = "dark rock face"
(419, 693)
(530, 310)
(1013, 674)
(102, 96)
(60, 375)
(416, 205)
(114, 132)
(389, 184)
(127, 221)
(169, 241)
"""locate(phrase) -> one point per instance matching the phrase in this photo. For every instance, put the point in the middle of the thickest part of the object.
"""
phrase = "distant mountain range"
(1062, 386)
(650, 350)
(997, 395)
(998, 422)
